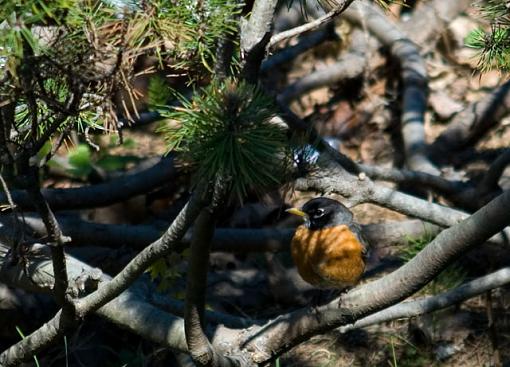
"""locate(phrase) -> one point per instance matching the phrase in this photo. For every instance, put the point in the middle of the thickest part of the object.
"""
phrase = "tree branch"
(433, 303)
(289, 53)
(361, 189)
(201, 351)
(56, 239)
(414, 81)
(255, 35)
(103, 194)
(349, 66)
(341, 6)
(112, 289)
(235, 240)
(470, 125)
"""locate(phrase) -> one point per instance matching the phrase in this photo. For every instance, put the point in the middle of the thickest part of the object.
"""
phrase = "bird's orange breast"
(328, 257)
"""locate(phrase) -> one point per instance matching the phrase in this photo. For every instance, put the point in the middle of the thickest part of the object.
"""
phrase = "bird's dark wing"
(356, 229)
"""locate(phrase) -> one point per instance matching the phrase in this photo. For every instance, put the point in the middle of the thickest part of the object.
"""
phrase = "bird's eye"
(319, 213)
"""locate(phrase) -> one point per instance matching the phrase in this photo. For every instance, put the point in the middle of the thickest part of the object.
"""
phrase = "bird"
(329, 249)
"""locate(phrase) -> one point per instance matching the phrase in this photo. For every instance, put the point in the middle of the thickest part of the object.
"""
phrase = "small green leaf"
(80, 160)
(116, 162)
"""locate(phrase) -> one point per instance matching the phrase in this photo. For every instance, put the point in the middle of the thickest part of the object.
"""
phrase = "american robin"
(329, 250)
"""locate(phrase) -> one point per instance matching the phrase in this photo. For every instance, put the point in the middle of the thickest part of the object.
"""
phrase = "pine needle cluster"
(227, 130)
(493, 45)
(69, 64)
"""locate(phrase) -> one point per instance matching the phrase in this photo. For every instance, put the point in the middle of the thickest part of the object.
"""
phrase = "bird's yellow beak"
(296, 211)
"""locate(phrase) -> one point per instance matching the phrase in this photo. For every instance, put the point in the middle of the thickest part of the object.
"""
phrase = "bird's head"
(323, 212)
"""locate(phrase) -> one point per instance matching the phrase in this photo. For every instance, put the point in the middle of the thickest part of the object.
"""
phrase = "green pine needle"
(227, 131)
(493, 47)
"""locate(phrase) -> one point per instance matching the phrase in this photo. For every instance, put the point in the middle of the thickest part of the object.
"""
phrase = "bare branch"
(433, 303)
(164, 245)
(349, 66)
(112, 289)
(148, 321)
(34, 343)
(430, 19)
(201, 351)
(404, 176)
(289, 53)
(414, 80)
(56, 238)
(102, 194)
(361, 189)
(255, 35)
(323, 20)
(236, 240)
(470, 125)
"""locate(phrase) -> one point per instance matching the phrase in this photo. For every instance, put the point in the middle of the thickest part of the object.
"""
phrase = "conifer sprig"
(51, 50)
(493, 46)
(227, 130)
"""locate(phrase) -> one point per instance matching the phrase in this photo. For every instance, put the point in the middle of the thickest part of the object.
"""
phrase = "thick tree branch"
(255, 35)
(103, 194)
(414, 80)
(236, 240)
(433, 303)
(361, 189)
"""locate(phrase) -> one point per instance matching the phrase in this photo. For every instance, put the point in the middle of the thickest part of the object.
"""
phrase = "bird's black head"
(323, 212)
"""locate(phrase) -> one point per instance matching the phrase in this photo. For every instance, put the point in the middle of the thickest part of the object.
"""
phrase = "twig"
(289, 53)
(325, 19)
(56, 239)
